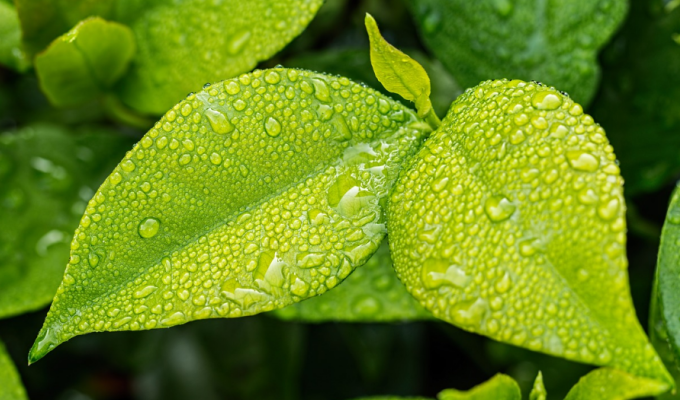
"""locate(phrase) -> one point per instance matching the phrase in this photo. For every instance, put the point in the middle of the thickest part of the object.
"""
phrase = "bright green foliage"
(85, 62)
(398, 72)
(10, 383)
(255, 193)
(11, 52)
(47, 175)
(513, 212)
(371, 293)
(553, 42)
(500, 387)
(538, 392)
(612, 384)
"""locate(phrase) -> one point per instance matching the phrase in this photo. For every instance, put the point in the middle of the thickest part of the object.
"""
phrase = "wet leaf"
(10, 383)
(552, 42)
(85, 62)
(513, 211)
(11, 53)
(372, 293)
(612, 384)
(500, 387)
(538, 391)
(255, 193)
(47, 175)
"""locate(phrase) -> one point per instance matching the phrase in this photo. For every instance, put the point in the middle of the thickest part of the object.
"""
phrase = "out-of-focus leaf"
(639, 103)
(613, 384)
(47, 175)
(11, 52)
(85, 62)
(500, 387)
(10, 383)
(372, 293)
(513, 212)
(251, 195)
(356, 64)
(553, 42)
(538, 392)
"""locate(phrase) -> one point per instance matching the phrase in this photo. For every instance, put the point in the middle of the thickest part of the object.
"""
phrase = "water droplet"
(93, 259)
(436, 272)
(174, 319)
(608, 209)
(144, 292)
(272, 77)
(238, 42)
(582, 161)
(439, 184)
(468, 313)
(321, 91)
(232, 87)
(499, 208)
(149, 227)
(348, 197)
(272, 126)
(127, 166)
(545, 100)
(218, 121)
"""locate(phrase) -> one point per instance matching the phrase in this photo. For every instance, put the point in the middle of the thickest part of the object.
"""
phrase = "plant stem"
(433, 120)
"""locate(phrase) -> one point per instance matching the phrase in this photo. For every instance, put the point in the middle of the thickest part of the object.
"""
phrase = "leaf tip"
(45, 342)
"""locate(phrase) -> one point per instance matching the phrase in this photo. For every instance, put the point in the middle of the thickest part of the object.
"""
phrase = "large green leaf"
(500, 387)
(555, 42)
(11, 51)
(372, 293)
(47, 175)
(612, 384)
(10, 383)
(85, 62)
(510, 223)
(255, 193)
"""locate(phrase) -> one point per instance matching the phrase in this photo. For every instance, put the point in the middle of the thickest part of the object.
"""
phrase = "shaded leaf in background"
(500, 387)
(47, 175)
(11, 52)
(255, 193)
(553, 42)
(612, 384)
(85, 62)
(513, 212)
(372, 293)
(10, 382)
(639, 103)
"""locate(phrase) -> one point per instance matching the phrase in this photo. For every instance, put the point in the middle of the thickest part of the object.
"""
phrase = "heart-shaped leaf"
(255, 193)
(510, 223)
(372, 293)
(10, 383)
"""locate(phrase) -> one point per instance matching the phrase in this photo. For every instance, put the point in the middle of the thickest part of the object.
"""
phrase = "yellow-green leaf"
(85, 62)
(10, 383)
(500, 387)
(11, 51)
(248, 196)
(613, 384)
(513, 212)
(538, 391)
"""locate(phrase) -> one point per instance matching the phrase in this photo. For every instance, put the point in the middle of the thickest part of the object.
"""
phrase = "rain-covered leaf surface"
(11, 53)
(500, 387)
(639, 103)
(372, 293)
(255, 193)
(555, 42)
(510, 223)
(47, 175)
(85, 62)
(10, 382)
(538, 391)
(612, 384)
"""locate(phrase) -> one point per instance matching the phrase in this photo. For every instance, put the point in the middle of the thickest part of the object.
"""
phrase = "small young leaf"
(47, 175)
(538, 392)
(554, 42)
(500, 387)
(10, 382)
(11, 52)
(255, 193)
(372, 293)
(85, 62)
(612, 384)
(509, 222)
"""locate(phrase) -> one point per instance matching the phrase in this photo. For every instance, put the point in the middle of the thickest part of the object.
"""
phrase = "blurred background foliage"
(262, 357)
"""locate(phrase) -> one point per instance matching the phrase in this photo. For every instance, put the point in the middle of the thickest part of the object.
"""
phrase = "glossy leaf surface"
(11, 52)
(612, 384)
(500, 387)
(10, 382)
(555, 42)
(47, 176)
(372, 293)
(513, 212)
(85, 62)
(255, 193)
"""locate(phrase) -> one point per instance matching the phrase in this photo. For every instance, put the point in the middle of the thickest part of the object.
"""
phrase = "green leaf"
(372, 293)
(538, 392)
(510, 223)
(398, 72)
(553, 42)
(85, 62)
(48, 174)
(612, 384)
(255, 193)
(500, 387)
(10, 383)
(11, 52)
